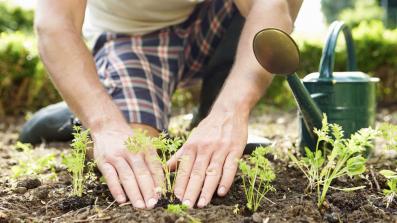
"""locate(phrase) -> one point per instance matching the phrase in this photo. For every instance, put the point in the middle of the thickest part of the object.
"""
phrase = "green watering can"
(348, 98)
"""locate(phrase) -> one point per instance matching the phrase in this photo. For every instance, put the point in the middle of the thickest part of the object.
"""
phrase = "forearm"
(73, 72)
(248, 81)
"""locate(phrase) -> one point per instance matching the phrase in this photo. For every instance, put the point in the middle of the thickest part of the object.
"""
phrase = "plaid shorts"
(140, 72)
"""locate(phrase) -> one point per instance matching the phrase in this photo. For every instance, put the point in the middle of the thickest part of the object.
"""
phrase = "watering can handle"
(327, 58)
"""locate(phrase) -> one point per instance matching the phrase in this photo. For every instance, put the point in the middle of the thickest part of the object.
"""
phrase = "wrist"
(106, 123)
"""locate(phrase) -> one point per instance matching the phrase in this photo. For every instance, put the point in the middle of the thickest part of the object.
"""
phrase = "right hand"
(140, 174)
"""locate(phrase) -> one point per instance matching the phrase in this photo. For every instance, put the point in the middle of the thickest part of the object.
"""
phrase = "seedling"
(31, 164)
(257, 175)
(139, 142)
(181, 210)
(75, 162)
(345, 158)
(167, 147)
(390, 193)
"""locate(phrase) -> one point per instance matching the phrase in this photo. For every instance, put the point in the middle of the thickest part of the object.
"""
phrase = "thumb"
(173, 161)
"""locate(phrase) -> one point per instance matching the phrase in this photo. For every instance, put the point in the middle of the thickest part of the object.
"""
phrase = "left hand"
(210, 157)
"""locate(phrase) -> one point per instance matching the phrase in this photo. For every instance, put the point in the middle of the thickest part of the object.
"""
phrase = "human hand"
(140, 174)
(210, 158)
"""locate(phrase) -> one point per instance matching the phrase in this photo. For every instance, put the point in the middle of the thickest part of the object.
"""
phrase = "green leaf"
(356, 166)
(389, 174)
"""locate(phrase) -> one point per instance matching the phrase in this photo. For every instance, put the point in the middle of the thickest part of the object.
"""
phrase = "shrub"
(15, 18)
(23, 82)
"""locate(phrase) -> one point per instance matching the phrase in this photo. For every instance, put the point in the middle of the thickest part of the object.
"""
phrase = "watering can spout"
(278, 53)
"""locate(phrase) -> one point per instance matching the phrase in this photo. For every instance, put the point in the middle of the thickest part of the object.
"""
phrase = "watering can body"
(348, 98)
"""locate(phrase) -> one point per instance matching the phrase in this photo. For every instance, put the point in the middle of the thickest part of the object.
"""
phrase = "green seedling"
(181, 210)
(390, 193)
(167, 147)
(323, 166)
(75, 162)
(257, 175)
(139, 142)
(31, 164)
(389, 133)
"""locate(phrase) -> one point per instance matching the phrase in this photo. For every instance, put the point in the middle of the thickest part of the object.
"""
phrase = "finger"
(196, 180)
(112, 180)
(183, 174)
(144, 178)
(229, 171)
(173, 161)
(213, 175)
(129, 183)
(155, 168)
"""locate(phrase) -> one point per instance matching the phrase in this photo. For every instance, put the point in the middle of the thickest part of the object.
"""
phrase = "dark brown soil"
(33, 200)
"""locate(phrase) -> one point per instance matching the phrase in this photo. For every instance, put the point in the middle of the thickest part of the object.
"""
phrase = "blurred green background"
(25, 86)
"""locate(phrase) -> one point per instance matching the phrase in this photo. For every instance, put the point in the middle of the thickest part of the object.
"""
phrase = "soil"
(38, 199)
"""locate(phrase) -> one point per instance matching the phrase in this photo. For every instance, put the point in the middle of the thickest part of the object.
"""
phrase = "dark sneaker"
(52, 123)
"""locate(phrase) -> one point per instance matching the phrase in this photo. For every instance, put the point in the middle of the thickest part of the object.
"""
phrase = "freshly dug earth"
(31, 200)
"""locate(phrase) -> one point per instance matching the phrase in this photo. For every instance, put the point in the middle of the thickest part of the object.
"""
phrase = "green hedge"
(15, 18)
(376, 53)
(24, 84)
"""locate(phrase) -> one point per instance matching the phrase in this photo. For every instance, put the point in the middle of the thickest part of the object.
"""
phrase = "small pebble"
(331, 217)
(29, 183)
(3, 217)
(257, 218)
(20, 190)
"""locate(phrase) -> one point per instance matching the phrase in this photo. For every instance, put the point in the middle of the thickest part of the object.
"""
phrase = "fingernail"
(120, 199)
(186, 202)
(201, 202)
(178, 194)
(222, 190)
(151, 202)
(139, 204)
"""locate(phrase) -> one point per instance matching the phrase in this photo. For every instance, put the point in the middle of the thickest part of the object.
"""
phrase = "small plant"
(390, 193)
(167, 147)
(75, 162)
(181, 210)
(321, 167)
(139, 142)
(31, 164)
(257, 174)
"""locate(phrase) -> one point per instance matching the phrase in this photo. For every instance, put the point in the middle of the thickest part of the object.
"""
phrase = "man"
(142, 50)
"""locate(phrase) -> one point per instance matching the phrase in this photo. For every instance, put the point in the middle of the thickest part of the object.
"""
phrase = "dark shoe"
(52, 123)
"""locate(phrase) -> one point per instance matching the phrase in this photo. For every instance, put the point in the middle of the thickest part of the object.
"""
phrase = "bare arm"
(72, 69)
(70, 64)
(210, 154)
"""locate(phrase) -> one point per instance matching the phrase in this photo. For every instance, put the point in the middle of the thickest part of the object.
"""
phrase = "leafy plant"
(257, 174)
(75, 162)
(167, 147)
(139, 142)
(181, 210)
(322, 166)
(31, 164)
(390, 193)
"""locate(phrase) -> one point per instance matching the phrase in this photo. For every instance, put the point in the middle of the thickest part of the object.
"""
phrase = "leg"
(215, 28)
(218, 68)
(139, 74)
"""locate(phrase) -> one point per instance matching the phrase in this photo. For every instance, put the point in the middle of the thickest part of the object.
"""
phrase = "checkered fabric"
(141, 72)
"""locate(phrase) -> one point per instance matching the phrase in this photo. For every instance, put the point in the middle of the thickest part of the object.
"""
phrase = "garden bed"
(30, 200)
